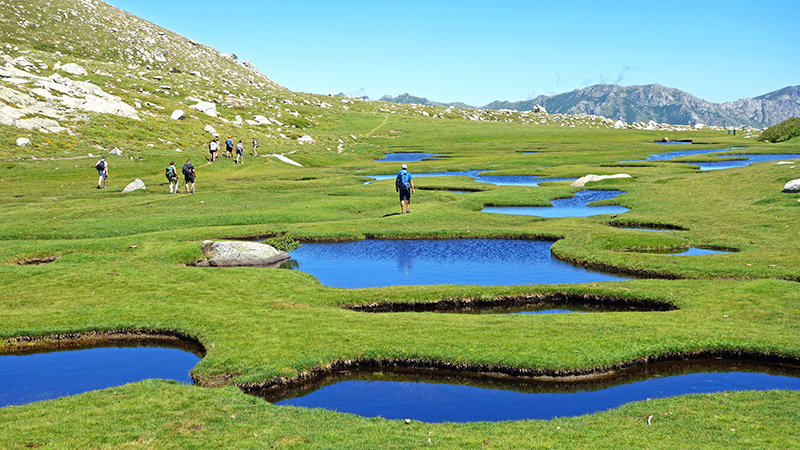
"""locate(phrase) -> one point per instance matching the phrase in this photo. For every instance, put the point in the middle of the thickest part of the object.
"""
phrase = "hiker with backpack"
(102, 173)
(213, 148)
(405, 186)
(229, 147)
(188, 176)
(240, 152)
(172, 177)
(255, 147)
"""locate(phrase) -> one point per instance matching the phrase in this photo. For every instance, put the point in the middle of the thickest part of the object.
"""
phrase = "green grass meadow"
(124, 262)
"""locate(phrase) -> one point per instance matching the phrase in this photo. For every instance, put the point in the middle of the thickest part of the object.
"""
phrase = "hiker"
(405, 186)
(172, 177)
(255, 146)
(213, 148)
(102, 172)
(188, 176)
(239, 153)
(229, 147)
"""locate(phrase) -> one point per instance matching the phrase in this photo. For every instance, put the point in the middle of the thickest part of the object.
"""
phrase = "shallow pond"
(373, 263)
(566, 207)
(41, 376)
(653, 230)
(674, 143)
(692, 251)
(706, 166)
(393, 396)
(408, 157)
(679, 153)
(480, 176)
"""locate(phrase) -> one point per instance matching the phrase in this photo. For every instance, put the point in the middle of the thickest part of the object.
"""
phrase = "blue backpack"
(403, 179)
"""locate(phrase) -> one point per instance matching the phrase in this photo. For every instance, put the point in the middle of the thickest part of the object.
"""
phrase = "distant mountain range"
(651, 102)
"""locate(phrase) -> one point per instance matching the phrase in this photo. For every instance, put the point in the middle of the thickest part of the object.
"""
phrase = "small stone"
(23, 142)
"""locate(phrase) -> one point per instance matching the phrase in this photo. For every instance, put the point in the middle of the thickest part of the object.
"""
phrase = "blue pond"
(692, 251)
(677, 154)
(549, 311)
(408, 157)
(499, 180)
(653, 230)
(566, 207)
(674, 143)
(43, 376)
(435, 402)
(373, 263)
(706, 166)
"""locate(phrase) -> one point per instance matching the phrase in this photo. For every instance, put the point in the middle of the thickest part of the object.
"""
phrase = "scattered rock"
(305, 139)
(134, 186)
(73, 69)
(116, 152)
(792, 186)
(211, 130)
(241, 254)
(14, 97)
(23, 142)
(178, 114)
(206, 108)
(581, 182)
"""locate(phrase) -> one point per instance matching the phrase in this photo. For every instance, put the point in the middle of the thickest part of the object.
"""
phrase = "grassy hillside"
(259, 325)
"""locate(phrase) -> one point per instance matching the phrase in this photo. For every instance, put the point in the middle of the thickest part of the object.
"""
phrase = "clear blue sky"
(480, 51)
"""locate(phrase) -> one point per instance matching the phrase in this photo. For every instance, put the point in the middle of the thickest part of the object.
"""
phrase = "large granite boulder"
(241, 254)
(74, 69)
(792, 186)
(581, 182)
(207, 108)
(135, 185)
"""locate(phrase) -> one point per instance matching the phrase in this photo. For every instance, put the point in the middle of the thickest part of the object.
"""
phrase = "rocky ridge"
(67, 64)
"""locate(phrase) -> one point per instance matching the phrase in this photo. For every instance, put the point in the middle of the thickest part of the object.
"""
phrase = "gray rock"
(305, 139)
(211, 130)
(207, 108)
(73, 69)
(36, 123)
(134, 186)
(581, 182)
(108, 106)
(178, 114)
(241, 254)
(116, 152)
(15, 97)
(792, 186)
(23, 142)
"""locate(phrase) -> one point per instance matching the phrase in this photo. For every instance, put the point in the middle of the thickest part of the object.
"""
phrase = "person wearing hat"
(405, 186)
(229, 147)
(102, 173)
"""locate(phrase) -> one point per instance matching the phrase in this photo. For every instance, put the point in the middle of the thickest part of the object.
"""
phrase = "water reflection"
(679, 153)
(691, 251)
(749, 159)
(408, 157)
(576, 206)
(33, 377)
(458, 398)
(479, 177)
(373, 263)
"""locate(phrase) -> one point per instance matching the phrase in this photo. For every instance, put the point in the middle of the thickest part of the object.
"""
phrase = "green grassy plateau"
(124, 261)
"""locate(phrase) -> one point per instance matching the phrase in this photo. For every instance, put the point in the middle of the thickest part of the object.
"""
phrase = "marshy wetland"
(79, 260)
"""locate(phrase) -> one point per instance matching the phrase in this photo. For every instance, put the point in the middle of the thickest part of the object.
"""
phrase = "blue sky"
(480, 51)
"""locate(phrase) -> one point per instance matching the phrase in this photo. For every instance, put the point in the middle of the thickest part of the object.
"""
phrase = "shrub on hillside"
(783, 131)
